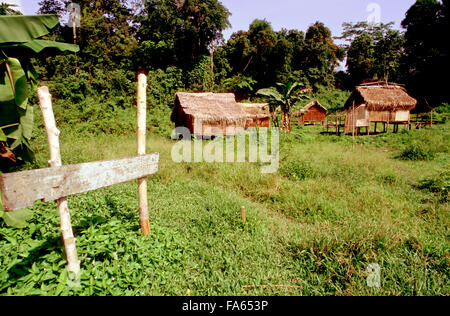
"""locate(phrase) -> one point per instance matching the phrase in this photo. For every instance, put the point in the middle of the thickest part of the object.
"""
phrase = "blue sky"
(295, 14)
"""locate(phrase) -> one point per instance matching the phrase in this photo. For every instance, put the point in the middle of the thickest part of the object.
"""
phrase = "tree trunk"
(73, 264)
(286, 122)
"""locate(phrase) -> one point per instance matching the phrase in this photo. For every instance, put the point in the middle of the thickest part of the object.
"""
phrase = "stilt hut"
(312, 112)
(258, 114)
(385, 103)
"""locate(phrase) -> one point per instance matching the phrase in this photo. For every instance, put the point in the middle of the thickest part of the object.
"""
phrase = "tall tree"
(321, 55)
(373, 51)
(361, 61)
(426, 52)
(177, 32)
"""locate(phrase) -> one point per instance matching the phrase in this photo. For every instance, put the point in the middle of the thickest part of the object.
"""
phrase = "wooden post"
(353, 120)
(141, 135)
(337, 126)
(244, 218)
(431, 118)
(45, 102)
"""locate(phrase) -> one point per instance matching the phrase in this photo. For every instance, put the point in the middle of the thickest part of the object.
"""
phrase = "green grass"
(335, 206)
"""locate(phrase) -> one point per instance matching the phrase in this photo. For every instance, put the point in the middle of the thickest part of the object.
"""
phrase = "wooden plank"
(22, 189)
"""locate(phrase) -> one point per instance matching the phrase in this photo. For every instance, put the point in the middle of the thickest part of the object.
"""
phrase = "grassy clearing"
(335, 206)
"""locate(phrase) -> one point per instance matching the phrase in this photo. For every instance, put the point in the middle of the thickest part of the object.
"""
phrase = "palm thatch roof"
(256, 110)
(306, 108)
(210, 108)
(382, 98)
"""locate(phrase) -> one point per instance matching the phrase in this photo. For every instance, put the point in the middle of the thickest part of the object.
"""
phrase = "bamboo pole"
(141, 135)
(45, 102)
(74, 29)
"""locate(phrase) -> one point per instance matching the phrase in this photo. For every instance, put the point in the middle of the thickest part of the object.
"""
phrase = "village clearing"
(335, 206)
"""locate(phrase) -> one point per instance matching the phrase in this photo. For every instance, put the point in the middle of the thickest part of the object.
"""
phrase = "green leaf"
(2, 136)
(25, 28)
(14, 132)
(38, 46)
(271, 93)
(21, 87)
(18, 219)
(26, 120)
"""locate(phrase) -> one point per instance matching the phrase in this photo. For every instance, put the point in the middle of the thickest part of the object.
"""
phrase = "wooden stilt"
(45, 102)
(244, 218)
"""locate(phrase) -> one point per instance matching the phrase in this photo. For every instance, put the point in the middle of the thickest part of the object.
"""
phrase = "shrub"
(417, 151)
(439, 185)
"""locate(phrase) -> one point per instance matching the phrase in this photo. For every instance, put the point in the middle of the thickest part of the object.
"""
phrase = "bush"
(417, 151)
(439, 185)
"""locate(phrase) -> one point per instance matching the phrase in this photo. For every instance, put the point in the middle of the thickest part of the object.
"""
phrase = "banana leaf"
(25, 28)
(37, 46)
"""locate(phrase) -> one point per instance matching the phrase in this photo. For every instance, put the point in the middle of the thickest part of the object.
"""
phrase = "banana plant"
(20, 40)
(283, 98)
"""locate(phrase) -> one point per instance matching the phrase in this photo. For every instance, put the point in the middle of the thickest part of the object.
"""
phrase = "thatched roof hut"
(312, 112)
(208, 114)
(378, 103)
(382, 98)
(258, 114)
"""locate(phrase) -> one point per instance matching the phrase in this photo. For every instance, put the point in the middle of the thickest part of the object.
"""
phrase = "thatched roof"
(256, 110)
(382, 98)
(211, 108)
(306, 108)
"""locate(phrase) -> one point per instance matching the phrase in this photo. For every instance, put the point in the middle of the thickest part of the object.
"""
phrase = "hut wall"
(260, 122)
(314, 114)
(210, 129)
(380, 116)
(401, 116)
(359, 117)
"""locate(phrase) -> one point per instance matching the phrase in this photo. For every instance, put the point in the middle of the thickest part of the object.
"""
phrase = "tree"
(177, 32)
(283, 97)
(361, 61)
(7, 9)
(51, 7)
(352, 30)
(321, 55)
(373, 51)
(388, 55)
(426, 52)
